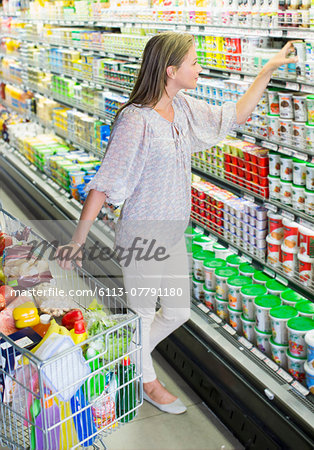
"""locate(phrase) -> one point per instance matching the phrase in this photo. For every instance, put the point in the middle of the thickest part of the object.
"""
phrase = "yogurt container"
(286, 192)
(286, 168)
(248, 329)
(285, 105)
(205, 242)
(289, 260)
(299, 107)
(209, 272)
(189, 234)
(263, 341)
(291, 233)
(222, 308)
(248, 295)
(246, 270)
(291, 298)
(235, 319)
(260, 277)
(274, 187)
(297, 328)
(299, 134)
(285, 131)
(299, 171)
(305, 309)
(279, 353)
(309, 130)
(274, 164)
(275, 226)
(221, 251)
(309, 176)
(298, 197)
(273, 252)
(306, 240)
(306, 269)
(273, 126)
(275, 288)
(310, 109)
(263, 305)
(234, 261)
(222, 276)
(309, 202)
(309, 376)
(279, 317)
(296, 366)
(198, 291)
(198, 260)
(209, 298)
(235, 284)
(273, 101)
(309, 340)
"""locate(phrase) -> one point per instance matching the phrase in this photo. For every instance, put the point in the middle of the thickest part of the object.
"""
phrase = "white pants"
(144, 282)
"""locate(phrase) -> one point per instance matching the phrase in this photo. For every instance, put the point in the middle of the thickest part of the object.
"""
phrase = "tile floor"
(197, 429)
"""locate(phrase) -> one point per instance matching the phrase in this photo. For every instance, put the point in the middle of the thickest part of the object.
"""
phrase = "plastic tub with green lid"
(249, 294)
(222, 276)
(275, 288)
(260, 277)
(305, 309)
(247, 270)
(279, 353)
(279, 317)
(297, 328)
(291, 298)
(198, 260)
(263, 305)
(189, 234)
(235, 284)
(209, 267)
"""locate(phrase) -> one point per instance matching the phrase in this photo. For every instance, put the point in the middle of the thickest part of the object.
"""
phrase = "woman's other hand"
(68, 254)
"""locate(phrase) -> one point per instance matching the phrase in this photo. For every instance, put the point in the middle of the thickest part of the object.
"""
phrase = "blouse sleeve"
(208, 124)
(125, 158)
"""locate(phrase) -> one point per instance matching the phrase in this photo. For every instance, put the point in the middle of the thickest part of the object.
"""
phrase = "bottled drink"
(126, 398)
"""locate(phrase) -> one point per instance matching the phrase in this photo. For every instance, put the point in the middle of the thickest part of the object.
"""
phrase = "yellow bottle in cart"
(68, 435)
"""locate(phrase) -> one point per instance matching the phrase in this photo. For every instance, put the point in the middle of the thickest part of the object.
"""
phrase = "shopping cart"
(81, 393)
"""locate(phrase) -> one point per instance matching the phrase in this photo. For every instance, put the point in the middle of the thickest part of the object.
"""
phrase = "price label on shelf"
(209, 30)
(250, 198)
(257, 353)
(285, 151)
(307, 88)
(282, 280)
(247, 258)
(288, 215)
(301, 156)
(284, 375)
(292, 86)
(203, 308)
(229, 329)
(271, 207)
(194, 29)
(232, 134)
(250, 139)
(269, 272)
(275, 33)
(271, 364)
(225, 74)
(245, 342)
(269, 145)
(248, 78)
(305, 223)
(235, 76)
(300, 388)
(181, 27)
(215, 317)
(233, 250)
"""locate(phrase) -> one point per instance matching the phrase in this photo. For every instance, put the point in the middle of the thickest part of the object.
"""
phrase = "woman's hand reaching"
(281, 58)
(68, 254)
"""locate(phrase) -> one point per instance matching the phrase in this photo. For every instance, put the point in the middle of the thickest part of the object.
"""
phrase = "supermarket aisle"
(198, 429)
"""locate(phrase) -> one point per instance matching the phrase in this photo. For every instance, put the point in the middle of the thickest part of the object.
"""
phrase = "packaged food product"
(260, 277)
(273, 126)
(306, 269)
(190, 233)
(263, 305)
(305, 309)
(309, 130)
(286, 192)
(285, 105)
(289, 260)
(309, 202)
(222, 308)
(274, 287)
(279, 317)
(273, 252)
(235, 284)
(291, 233)
(248, 328)
(234, 261)
(209, 297)
(306, 240)
(286, 168)
(198, 291)
(235, 319)
(285, 128)
(309, 376)
(279, 353)
(198, 260)
(205, 242)
(310, 108)
(298, 197)
(263, 341)
(297, 328)
(299, 107)
(274, 187)
(222, 276)
(209, 271)
(248, 295)
(299, 134)
(275, 226)
(273, 100)
(309, 340)
(299, 171)
(274, 164)
(296, 366)
(309, 176)
(221, 251)
(246, 270)
(291, 298)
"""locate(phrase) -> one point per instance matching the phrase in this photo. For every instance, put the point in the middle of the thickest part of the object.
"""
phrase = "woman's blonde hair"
(161, 51)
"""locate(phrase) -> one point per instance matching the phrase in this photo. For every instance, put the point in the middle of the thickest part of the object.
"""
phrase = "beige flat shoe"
(176, 407)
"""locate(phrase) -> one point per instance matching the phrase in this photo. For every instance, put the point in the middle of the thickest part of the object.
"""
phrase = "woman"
(147, 168)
